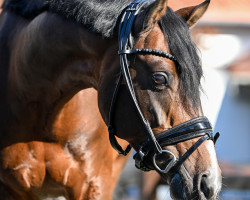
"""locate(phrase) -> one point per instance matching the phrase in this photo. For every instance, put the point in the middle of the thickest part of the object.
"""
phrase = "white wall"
(228, 112)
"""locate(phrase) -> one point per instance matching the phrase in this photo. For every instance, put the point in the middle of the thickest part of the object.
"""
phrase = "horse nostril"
(206, 186)
(176, 187)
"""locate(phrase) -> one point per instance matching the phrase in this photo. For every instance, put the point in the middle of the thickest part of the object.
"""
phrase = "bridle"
(198, 127)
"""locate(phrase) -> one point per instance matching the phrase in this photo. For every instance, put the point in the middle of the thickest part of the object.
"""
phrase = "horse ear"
(156, 11)
(194, 13)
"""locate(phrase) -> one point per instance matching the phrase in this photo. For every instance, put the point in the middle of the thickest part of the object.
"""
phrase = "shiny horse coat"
(59, 67)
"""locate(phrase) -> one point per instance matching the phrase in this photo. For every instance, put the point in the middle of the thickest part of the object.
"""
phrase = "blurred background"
(223, 38)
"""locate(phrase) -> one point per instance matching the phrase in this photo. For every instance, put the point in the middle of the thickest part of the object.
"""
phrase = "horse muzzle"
(203, 186)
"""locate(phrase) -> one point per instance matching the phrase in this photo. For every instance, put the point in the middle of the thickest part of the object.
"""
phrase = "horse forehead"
(154, 39)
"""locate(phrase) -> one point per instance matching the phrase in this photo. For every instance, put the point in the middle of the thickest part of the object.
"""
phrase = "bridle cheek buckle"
(169, 165)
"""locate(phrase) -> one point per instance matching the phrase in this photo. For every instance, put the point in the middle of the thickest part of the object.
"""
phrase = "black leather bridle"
(198, 127)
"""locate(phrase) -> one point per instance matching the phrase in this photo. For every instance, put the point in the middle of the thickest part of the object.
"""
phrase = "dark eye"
(160, 78)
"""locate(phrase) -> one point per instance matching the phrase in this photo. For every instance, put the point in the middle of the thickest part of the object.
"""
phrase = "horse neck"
(53, 59)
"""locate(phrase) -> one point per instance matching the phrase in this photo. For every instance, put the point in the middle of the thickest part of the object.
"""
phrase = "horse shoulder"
(50, 62)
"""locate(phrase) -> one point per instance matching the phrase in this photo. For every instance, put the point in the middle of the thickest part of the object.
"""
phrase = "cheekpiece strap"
(124, 41)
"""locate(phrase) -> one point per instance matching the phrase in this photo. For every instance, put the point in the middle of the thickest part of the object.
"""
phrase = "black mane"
(98, 16)
(184, 50)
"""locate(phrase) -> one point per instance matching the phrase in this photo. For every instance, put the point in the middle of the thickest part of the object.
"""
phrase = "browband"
(154, 52)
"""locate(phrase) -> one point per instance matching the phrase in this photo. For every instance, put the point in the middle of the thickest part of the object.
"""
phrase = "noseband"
(198, 127)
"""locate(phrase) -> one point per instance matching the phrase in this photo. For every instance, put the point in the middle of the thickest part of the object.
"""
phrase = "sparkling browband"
(148, 51)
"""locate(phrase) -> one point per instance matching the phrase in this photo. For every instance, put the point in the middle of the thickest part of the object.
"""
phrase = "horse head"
(156, 105)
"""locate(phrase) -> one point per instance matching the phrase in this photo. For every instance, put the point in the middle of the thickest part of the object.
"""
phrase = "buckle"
(169, 165)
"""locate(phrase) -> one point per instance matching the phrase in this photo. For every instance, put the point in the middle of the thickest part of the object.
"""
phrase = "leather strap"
(208, 136)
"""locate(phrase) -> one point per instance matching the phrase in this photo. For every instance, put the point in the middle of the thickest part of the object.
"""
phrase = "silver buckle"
(169, 166)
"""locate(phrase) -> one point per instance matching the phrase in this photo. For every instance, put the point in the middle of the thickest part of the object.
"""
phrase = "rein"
(198, 127)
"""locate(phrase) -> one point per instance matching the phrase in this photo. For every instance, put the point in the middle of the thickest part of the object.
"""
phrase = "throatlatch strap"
(116, 145)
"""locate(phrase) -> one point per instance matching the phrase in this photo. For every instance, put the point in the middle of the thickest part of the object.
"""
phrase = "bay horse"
(66, 93)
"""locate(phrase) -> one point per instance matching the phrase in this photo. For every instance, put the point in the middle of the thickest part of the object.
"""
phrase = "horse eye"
(159, 78)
